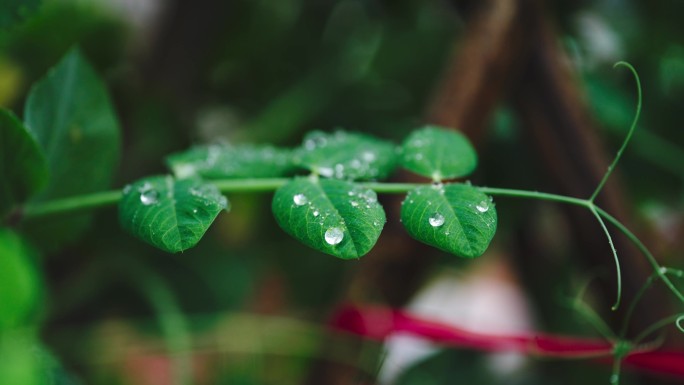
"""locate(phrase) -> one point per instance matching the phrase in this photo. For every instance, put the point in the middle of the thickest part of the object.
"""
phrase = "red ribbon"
(378, 323)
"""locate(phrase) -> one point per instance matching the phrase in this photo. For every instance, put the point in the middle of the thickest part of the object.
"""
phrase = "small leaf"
(455, 218)
(168, 213)
(19, 280)
(336, 217)
(438, 153)
(23, 168)
(69, 113)
(226, 161)
(346, 155)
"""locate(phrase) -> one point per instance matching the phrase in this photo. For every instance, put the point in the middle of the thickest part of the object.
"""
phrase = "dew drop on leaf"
(436, 220)
(482, 207)
(148, 195)
(300, 199)
(334, 235)
(326, 172)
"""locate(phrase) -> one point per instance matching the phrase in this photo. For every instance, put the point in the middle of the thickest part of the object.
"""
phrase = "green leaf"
(23, 168)
(170, 214)
(336, 217)
(455, 218)
(226, 162)
(438, 153)
(346, 155)
(69, 113)
(19, 280)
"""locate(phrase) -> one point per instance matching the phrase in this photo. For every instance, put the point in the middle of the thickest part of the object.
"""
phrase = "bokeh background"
(531, 83)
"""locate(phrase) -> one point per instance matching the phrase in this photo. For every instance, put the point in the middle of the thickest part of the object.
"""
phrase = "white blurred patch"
(485, 300)
(600, 43)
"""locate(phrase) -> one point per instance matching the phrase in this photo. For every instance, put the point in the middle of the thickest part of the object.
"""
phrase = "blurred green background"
(246, 306)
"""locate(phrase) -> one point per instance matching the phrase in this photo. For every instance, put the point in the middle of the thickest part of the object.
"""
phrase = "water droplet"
(127, 189)
(148, 195)
(614, 379)
(376, 223)
(482, 207)
(194, 211)
(354, 203)
(334, 235)
(183, 171)
(663, 270)
(436, 220)
(368, 156)
(326, 171)
(300, 199)
(315, 213)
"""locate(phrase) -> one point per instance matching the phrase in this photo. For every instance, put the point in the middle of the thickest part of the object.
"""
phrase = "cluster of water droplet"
(359, 198)
(333, 235)
(358, 157)
(226, 161)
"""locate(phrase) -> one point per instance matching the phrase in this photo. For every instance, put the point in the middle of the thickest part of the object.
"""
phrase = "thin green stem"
(629, 134)
(656, 326)
(249, 185)
(634, 303)
(659, 270)
(618, 272)
(72, 204)
(590, 316)
(534, 195)
(640, 294)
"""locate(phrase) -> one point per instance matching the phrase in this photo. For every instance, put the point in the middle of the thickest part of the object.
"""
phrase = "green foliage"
(455, 218)
(438, 153)
(12, 11)
(69, 113)
(19, 280)
(23, 168)
(331, 210)
(20, 364)
(170, 214)
(346, 155)
(336, 217)
(231, 162)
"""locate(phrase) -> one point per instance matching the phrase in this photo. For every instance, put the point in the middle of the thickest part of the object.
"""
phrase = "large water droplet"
(315, 213)
(148, 195)
(300, 199)
(326, 171)
(368, 156)
(334, 235)
(482, 207)
(436, 220)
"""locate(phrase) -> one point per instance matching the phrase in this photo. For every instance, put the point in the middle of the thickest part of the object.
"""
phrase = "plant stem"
(629, 133)
(72, 204)
(249, 185)
(109, 198)
(659, 270)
